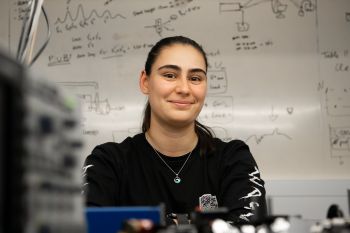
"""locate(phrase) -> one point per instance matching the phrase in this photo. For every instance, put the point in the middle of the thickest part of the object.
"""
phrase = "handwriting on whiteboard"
(91, 47)
(81, 19)
(217, 81)
(340, 140)
(217, 109)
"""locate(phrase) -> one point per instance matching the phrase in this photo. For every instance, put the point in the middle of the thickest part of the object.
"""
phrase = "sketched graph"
(278, 7)
(79, 18)
(89, 97)
(275, 133)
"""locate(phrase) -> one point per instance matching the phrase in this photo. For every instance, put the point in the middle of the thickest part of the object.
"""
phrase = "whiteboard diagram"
(159, 25)
(278, 8)
(89, 96)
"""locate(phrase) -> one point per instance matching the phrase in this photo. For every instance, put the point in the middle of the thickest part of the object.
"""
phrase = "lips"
(181, 103)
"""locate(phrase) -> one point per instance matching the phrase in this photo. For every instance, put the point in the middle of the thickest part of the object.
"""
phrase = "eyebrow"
(177, 68)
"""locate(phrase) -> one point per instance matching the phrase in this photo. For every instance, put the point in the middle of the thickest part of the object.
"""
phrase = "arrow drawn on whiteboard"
(275, 132)
(273, 116)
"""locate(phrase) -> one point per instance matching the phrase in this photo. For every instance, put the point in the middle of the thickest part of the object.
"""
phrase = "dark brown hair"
(204, 133)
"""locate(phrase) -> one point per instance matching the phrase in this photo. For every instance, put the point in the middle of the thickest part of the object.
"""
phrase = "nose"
(182, 86)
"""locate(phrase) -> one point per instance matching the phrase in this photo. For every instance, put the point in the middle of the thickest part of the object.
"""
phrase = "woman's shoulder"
(234, 144)
(117, 149)
(232, 150)
(112, 157)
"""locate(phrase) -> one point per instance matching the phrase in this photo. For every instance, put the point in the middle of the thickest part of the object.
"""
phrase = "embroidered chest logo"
(208, 202)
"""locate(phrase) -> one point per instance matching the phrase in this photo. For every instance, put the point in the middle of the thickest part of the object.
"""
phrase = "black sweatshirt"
(130, 173)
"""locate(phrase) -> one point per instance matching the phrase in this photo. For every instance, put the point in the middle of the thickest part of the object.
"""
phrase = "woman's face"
(177, 85)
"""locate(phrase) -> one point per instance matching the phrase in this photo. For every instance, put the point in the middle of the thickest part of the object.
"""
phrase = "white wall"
(309, 199)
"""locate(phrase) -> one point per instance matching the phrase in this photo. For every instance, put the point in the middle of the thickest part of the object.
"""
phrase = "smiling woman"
(176, 160)
(176, 88)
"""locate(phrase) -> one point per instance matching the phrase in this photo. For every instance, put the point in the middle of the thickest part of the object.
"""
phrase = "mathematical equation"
(92, 47)
(245, 43)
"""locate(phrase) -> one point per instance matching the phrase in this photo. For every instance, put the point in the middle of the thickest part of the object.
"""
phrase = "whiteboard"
(278, 77)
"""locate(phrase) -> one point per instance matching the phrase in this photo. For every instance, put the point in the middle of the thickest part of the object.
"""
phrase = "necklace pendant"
(177, 179)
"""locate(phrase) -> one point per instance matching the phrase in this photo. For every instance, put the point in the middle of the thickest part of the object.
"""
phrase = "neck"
(172, 141)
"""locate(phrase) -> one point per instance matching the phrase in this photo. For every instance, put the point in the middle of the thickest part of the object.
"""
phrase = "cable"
(47, 39)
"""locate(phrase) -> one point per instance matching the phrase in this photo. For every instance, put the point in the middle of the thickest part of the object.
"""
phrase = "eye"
(196, 79)
(169, 75)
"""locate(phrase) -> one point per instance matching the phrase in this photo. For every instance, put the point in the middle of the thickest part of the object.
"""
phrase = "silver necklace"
(177, 179)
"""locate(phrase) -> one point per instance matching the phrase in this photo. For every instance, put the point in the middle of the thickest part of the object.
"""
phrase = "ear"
(144, 82)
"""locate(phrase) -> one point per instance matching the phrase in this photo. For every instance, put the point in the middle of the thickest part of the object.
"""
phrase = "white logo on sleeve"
(85, 168)
(256, 192)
